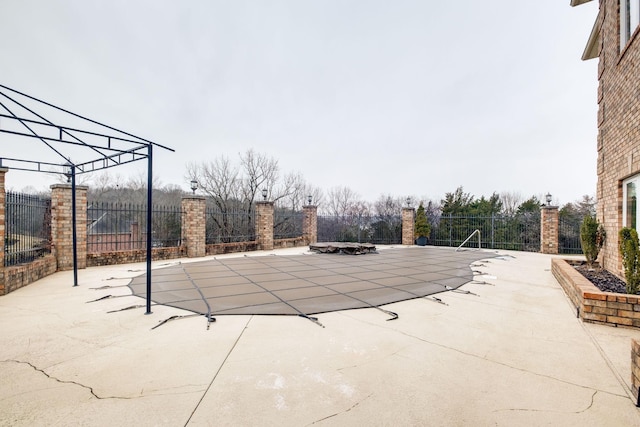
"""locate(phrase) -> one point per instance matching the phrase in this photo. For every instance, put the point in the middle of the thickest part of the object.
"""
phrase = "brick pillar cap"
(78, 187)
(193, 196)
(4, 169)
(549, 207)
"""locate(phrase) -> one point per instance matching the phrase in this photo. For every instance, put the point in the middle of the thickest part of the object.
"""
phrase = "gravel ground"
(603, 280)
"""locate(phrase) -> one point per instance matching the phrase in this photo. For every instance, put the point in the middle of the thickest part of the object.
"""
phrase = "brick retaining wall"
(591, 303)
(635, 370)
(136, 255)
(21, 275)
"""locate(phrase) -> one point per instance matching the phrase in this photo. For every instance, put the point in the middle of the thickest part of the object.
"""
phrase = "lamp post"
(68, 171)
(309, 198)
(548, 199)
(194, 185)
(408, 202)
(264, 194)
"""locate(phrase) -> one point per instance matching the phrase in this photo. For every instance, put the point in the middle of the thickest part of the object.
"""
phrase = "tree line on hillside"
(232, 187)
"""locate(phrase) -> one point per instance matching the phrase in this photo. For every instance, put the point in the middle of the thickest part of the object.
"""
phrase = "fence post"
(3, 199)
(493, 240)
(61, 225)
(408, 226)
(549, 229)
(310, 224)
(194, 225)
(264, 225)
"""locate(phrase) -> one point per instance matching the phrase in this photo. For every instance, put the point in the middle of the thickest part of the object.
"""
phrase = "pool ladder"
(469, 238)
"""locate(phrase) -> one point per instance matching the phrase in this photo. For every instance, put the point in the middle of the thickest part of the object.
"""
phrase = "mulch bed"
(602, 279)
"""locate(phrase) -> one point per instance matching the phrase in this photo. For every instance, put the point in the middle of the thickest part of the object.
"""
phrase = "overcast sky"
(402, 97)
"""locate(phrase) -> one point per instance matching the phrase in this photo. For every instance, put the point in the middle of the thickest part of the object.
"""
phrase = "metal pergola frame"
(110, 150)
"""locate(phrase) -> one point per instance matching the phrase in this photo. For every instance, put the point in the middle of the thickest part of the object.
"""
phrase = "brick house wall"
(618, 141)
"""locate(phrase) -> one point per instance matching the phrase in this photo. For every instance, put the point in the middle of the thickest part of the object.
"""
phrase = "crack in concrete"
(149, 393)
(342, 412)
(551, 411)
(42, 371)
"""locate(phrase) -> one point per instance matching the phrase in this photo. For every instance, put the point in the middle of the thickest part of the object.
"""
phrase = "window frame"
(630, 208)
(629, 20)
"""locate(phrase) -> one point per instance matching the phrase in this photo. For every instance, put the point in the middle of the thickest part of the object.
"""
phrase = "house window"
(630, 202)
(629, 20)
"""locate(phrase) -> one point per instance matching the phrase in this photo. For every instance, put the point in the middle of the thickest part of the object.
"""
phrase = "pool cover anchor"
(177, 316)
(436, 299)
(131, 307)
(393, 315)
(459, 291)
(101, 298)
(311, 318)
(481, 282)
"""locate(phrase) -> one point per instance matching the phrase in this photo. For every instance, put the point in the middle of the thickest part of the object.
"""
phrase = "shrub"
(422, 227)
(629, 251)
(592, 237)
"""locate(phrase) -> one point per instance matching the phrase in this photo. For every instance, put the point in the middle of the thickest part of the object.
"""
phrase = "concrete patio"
(512, 353)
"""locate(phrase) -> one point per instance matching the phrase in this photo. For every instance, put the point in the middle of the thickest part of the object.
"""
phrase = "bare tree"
(260, 173)
(340, 200)
(218, 179)
(587, 205)
(289, 193)
(388, 206)
(510, 201)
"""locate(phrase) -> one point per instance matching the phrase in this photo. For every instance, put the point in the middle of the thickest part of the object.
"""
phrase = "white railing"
(469, 238)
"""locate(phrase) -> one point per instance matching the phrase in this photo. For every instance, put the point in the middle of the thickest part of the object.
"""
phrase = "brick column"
(549, 230)
(61, 225)
(194, 225)
(264, 225)
(310, 224)
(408, 226)
(3, 198)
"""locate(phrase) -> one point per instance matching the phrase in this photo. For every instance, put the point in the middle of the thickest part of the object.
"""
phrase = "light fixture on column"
(408, 202)
(194, 185)
(309, 198)
(548, 199)
(264, 194)
(67, 170)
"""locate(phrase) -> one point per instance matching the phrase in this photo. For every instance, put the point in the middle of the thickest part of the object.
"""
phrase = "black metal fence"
(27, 228)
(122, 226)
(287, 223)
(383, 230)
(513, 232)
(227, 226)
(569, 235)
